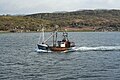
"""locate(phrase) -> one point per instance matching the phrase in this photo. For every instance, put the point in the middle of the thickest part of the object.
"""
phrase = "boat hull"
(42, 46)
(58, 49)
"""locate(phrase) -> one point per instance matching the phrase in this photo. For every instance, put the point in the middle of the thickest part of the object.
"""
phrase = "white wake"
(99, 48)
(75, 49)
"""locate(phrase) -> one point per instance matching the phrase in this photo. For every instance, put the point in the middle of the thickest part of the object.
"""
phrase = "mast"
(55, 36)
(39, 39)
(53, 39)
(43, 35)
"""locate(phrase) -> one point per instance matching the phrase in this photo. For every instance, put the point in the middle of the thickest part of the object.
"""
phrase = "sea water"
(96, 56)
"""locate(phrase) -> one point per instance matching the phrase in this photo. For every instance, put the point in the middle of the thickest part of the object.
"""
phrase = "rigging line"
(49, 37)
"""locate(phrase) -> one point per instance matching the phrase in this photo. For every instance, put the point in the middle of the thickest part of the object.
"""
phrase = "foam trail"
(100, 48)
(42, 51)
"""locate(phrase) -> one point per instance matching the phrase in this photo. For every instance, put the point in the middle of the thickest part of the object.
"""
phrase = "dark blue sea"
(96, 57)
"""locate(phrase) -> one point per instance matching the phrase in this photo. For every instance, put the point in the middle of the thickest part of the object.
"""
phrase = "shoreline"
(58, 31)
(5, 32)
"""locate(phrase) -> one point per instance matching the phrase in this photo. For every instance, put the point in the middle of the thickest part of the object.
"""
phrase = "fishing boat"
(57, 46)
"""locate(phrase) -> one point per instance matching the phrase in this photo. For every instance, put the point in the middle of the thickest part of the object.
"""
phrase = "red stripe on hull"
(58, 48)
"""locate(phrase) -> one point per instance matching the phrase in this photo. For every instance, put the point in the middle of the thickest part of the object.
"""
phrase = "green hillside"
(93, 20)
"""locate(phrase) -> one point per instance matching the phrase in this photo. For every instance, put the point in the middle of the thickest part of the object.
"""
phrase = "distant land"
(83, 20)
